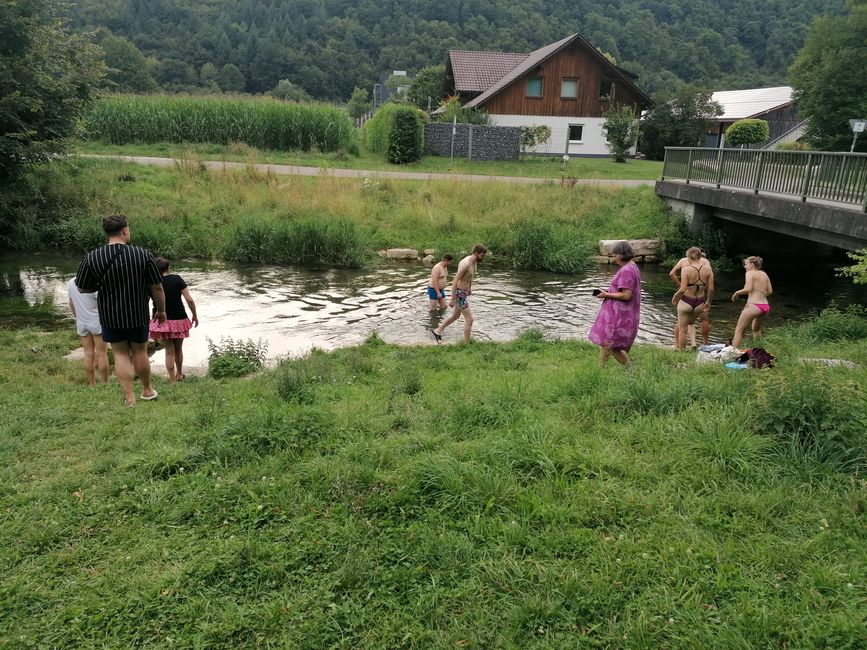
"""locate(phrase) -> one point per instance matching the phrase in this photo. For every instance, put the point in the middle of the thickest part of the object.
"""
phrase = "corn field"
(261, 122)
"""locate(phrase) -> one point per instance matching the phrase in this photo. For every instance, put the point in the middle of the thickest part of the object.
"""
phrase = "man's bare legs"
(440, 303)
(456, 314)
(132, 358)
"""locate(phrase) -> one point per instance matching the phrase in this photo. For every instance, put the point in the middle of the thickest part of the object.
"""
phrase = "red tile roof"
(477, 71)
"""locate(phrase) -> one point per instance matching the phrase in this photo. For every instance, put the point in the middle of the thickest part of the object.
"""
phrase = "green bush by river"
(492, 495)
(249, 216)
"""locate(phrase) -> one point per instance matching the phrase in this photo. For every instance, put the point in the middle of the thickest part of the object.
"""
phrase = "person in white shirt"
(83, 306)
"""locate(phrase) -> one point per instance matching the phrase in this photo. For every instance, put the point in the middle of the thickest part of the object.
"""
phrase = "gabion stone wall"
(473, 141)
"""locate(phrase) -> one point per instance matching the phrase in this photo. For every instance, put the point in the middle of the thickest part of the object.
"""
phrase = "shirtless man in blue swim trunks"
(461, 290)
(436, 288)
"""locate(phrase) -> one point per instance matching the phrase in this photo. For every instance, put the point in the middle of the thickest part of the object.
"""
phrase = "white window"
(576, 133)
(569, 88)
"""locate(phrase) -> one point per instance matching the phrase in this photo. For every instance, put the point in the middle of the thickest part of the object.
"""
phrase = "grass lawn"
(598, 168)
(483, 496)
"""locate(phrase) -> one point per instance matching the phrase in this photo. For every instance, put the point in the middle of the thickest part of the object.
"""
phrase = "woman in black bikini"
(695, 292)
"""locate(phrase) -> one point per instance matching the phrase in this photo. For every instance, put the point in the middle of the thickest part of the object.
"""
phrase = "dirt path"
(294, 170)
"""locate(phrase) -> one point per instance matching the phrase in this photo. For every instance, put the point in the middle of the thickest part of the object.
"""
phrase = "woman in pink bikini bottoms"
(757, 288)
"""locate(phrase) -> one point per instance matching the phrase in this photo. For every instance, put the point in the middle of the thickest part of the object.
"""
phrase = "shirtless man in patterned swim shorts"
(461, 289)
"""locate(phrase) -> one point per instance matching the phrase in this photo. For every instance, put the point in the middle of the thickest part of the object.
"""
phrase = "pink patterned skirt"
(170, 329)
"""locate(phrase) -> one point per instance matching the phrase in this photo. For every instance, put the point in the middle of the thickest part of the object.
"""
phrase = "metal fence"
(836, 177)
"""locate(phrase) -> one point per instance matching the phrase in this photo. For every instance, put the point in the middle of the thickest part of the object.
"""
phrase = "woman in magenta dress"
(616, 325)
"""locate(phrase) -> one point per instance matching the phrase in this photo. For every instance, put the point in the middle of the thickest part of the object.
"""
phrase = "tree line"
(326, 48)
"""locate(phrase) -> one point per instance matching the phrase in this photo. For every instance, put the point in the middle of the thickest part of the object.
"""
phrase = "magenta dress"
(616, 325)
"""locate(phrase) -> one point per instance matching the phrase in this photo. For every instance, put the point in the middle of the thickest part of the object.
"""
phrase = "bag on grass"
(757, 358)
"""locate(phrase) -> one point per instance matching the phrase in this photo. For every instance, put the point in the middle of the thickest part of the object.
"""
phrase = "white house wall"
(593, 141)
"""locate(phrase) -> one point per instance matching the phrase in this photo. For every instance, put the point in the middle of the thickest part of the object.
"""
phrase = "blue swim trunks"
(432, 293)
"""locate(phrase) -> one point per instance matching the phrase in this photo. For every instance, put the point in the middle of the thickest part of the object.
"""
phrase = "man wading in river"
(461, 290)
(126, 278)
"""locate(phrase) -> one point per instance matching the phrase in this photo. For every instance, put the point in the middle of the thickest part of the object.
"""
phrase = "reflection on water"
(295, 309)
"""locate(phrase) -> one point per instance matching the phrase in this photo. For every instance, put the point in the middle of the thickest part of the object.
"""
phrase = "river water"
(295, 309)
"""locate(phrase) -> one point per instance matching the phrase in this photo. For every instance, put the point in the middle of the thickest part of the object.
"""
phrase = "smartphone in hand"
(596, 292)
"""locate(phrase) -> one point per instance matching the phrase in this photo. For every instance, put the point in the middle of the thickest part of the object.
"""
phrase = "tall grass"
(261, 122)
(248, 216)
(325, 241)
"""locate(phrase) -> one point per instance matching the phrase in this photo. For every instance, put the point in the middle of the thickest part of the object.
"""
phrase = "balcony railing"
(834, 177)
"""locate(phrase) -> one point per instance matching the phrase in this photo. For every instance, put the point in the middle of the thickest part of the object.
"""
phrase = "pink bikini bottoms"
(762, 307)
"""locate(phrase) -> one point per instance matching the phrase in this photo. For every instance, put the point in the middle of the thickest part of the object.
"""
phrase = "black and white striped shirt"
(123, 275)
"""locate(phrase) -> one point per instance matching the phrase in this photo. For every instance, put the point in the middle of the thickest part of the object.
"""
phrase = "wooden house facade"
(567, 86)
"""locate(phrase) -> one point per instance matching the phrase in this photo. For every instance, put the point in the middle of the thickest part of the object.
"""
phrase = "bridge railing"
(836, 177)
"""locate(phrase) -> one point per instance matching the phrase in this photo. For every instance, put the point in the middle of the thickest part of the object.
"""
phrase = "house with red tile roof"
(567, 86)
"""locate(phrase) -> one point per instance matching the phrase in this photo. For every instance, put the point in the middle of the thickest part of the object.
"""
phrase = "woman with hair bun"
(757, 288)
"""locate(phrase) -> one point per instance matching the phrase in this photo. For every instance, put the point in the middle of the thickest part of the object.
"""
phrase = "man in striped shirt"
(126, 278)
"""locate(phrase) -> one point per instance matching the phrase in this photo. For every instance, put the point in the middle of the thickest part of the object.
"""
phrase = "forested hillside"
(327, 47)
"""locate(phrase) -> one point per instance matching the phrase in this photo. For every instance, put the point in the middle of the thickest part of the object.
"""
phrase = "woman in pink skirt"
(616, 326)
(176, 326)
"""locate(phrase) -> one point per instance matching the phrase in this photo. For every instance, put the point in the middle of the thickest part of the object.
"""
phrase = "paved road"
(294, 170)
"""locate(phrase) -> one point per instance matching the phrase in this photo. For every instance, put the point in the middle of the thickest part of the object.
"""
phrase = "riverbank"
(491, 495)
(252, 217)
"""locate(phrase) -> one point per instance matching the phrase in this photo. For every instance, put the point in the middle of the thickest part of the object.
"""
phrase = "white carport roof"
(741, 104)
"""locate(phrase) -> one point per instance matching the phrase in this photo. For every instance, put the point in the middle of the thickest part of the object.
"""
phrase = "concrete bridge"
(816, 196)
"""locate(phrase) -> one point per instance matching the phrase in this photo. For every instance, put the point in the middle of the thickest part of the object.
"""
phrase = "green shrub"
(747, 132)
(235, 358)
(293, 383)
(813, 416)
(832, 325)
(261, 122)
(406, 139)
(377, 128)
(532, 136)
(858, 271)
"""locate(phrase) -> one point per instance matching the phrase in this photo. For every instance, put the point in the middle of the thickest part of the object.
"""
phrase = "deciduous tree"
(621, 128)
(829, 76)
(359, 104)
(127, 68)
(679, 121)
(48, 75)
(426, 90)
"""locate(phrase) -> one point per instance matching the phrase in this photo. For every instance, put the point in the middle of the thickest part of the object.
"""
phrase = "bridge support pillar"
(696, 215)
